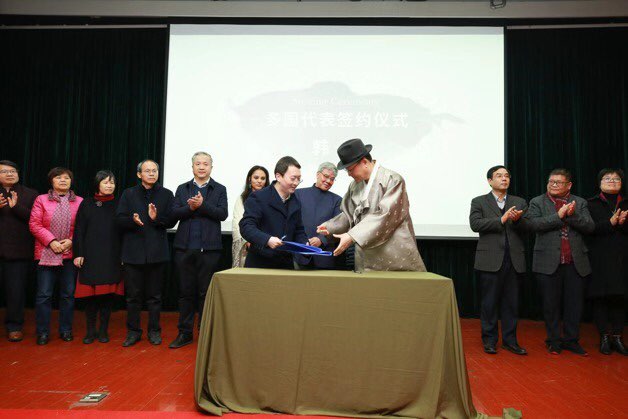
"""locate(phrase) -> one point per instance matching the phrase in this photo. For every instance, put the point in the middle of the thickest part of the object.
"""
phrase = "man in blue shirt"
(318, 205)
(199, 205)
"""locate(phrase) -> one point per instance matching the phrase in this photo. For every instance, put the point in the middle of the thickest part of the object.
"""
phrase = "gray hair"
(329, 166)
(139, 165)
(202, 153)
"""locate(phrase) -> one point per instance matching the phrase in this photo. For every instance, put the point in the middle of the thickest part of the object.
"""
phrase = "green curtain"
(87, 99)
(92, 99)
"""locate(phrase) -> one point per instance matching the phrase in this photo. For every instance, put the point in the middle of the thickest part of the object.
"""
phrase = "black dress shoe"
(515, 349)
(42, 339)
(605, 344)
(131, 340)
(181, 340)
(618, 345)
(574, 347)
(490, 348)
(154, 338)
(103, 337)
(554, 348)
(88, 339)
(67, 336)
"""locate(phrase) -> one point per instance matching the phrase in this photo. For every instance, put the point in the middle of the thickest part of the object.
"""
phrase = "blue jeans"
(46, 278)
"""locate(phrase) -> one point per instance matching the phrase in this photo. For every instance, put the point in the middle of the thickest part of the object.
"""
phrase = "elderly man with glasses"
(272, 215)
(319, 204)
(560, 221)
(144, 216)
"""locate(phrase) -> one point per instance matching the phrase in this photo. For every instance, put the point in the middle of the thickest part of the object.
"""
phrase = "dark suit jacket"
(265, 216)
(212, 211)
(485, 218)
(545, 222)
(147, 243)
(16, 241)
(318, 206)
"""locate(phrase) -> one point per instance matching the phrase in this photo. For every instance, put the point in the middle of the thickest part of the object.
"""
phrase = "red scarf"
(103, 198)
(565, 247)
(619, 199)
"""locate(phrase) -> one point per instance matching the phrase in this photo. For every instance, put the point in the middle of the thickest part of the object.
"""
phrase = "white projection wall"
(430, 100)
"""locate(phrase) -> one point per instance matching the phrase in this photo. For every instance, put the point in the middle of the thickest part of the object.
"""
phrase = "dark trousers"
(46, 278)
(14, 274)
(93, 306)
(566, 286)
(143, 283)
(500, 295)
(609, 314)
(196, 269)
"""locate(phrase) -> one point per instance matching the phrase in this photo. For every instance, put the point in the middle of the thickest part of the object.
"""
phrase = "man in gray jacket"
(560, 262)
(499, 258)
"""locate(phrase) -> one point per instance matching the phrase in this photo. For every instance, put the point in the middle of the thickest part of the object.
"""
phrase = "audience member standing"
(16, 245)
(199, 205)
(97, 255)
(52, 223)
(144, 216)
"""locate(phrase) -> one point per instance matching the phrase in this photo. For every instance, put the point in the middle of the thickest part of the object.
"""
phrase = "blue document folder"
(303, 249)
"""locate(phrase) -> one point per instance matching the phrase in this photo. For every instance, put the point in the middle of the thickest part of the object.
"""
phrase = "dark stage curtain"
(93, 99)
(86, 99)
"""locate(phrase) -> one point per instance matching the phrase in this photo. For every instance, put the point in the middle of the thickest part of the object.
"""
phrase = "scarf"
(60, 225)
(565, 247)
(103, 198)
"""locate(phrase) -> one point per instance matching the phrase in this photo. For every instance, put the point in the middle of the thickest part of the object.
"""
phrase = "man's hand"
(12, 200)
(321, 229)
(315, 241)
(137, 220)
(562, 212)
(507, 215)
(196, 201)
(3, 201)
(56, 247)
(152, 211)
(515, 215)
(345, 241)
(274, 242)
(622, 217)
(572, 208)
(78, 262)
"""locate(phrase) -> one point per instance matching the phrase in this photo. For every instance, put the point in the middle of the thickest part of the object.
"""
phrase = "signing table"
(333, 343)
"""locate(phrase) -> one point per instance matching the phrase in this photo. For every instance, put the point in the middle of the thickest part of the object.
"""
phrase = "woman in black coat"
(97, 255)
(608, 252)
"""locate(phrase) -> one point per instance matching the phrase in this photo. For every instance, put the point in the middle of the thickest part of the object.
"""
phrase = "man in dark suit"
(318, 205)
(499, 258)
(16, 245)
(199, 205)
(271, 215)
(560, 259)
(144, 216)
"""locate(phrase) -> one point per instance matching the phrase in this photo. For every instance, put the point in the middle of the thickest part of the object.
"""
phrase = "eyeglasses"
(604, 179)
(150, 171)
(556, 182)
(8, 172)
(295, 180)
(328, 177)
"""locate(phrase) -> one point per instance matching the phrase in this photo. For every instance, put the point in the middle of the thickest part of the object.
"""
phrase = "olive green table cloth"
(333, 343)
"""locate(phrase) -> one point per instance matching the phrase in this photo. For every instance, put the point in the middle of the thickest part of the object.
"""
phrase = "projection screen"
(429, 99)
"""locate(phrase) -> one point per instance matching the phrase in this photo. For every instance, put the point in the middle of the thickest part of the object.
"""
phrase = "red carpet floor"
(157, 382)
